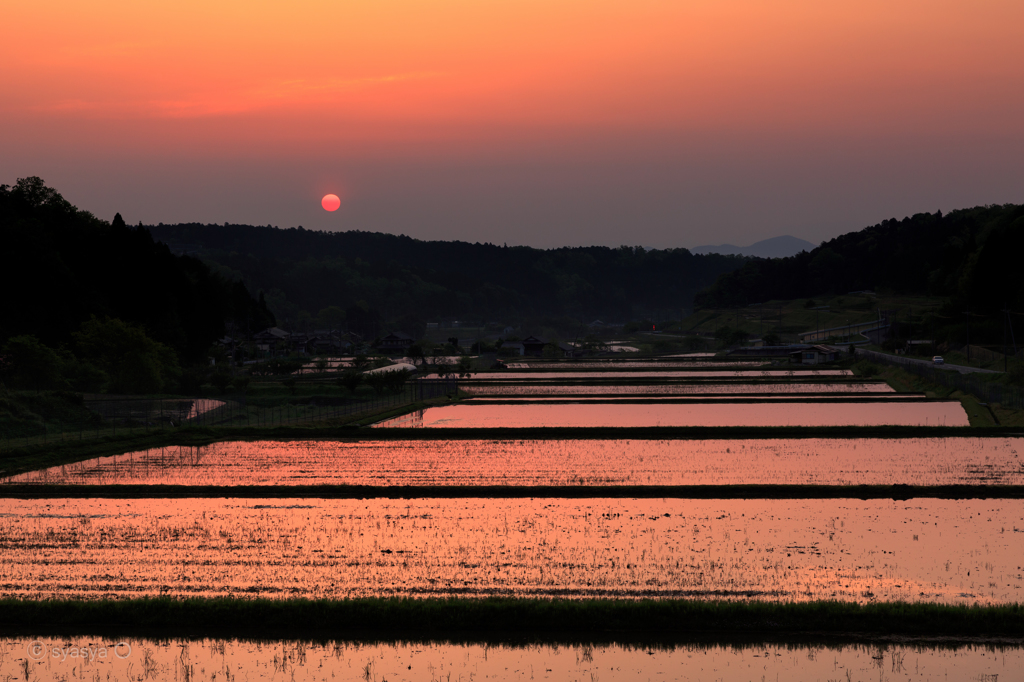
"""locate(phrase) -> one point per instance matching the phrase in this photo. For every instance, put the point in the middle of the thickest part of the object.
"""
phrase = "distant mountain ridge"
(971, 255)
(776, 247)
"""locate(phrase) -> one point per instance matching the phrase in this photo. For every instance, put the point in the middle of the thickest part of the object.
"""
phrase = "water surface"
(676, 389)
(655, 374)
(585, 415)
(324, 661)
(946, 551)
(819, 461)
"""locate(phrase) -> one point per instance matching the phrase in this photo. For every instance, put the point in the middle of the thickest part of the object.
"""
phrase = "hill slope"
(304, 271)
(970, 255)
(63, 265)
(775, 247)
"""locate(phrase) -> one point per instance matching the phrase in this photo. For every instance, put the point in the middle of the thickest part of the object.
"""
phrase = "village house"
(273, 341)
(395, 342)
(815, 355)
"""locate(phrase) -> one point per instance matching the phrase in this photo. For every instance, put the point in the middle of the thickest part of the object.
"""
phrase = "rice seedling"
(967, 551)
(557, 462)
(323, 659)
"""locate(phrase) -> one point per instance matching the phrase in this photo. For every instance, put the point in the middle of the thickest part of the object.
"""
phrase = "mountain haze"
(775, 247)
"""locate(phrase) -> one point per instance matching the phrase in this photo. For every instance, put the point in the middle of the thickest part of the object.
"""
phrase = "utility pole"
(968, 314)
(1012, 339)
(1006, 359)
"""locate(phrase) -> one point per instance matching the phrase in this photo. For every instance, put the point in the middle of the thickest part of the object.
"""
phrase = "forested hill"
(304, 270)
(60, 267)
(970, 255)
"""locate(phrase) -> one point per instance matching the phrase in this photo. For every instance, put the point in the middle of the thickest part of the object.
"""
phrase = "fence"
(142, 415)
(986, 354)
(1007, 396)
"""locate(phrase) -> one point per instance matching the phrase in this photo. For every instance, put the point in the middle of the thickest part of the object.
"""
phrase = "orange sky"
(662, 122)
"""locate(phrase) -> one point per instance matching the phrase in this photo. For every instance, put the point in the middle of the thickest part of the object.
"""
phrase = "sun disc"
(330, 202)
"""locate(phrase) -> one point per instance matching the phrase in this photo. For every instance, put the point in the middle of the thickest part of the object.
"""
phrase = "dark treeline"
(307, 271)
(970, 257)
(971, 254)
(103, 301)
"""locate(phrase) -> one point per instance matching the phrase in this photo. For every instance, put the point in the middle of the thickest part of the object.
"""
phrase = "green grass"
(33, 413)
(488, 619)
(697, 492)
(843, 309)
(902, 381)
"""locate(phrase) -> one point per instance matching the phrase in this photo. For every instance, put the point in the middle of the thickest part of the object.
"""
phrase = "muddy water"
(943, 551)
(946, 413)
(114, 660)
(823, 461)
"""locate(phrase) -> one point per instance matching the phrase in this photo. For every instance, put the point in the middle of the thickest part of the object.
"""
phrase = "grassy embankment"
(492, 619)
(694, 492)
(980, 415)
(799, 315)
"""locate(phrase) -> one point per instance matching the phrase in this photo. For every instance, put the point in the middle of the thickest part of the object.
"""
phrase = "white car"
(938, 360)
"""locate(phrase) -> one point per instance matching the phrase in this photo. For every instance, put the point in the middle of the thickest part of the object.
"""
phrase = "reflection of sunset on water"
(323, 661)
(675, 388)
(821, 461)
(963, 551)
(938, 413)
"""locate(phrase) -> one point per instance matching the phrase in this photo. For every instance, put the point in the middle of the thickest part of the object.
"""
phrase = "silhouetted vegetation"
(970, 257)
(478, 619)
(304, 272)
(92, 304)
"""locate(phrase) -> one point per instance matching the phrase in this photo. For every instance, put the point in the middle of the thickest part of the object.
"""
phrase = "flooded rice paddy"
(938, 413)
(678, 389)
(114, 660)
(957, 552)
(655, 374)
(703, 398)
(819, 461)
(616, 363)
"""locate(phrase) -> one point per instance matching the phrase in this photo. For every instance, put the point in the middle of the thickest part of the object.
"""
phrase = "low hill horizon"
(774, 247)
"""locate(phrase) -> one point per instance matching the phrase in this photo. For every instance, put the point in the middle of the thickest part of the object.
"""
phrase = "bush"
(277, 366)
(350, 380)
(728, 336)
(134, 362)
(221, 379)
(193, 378)
(84, 376)
(866, 369)
(30, 364)
(1016, 375)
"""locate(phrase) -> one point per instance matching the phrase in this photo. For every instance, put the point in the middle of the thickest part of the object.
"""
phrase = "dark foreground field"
(500, 619)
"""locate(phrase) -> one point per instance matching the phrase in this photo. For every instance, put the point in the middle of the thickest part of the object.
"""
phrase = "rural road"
(913, 361)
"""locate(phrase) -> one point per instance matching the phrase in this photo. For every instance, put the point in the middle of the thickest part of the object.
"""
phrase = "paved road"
(914, 361)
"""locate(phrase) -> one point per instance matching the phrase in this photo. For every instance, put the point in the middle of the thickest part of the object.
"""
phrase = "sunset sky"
(661, 123)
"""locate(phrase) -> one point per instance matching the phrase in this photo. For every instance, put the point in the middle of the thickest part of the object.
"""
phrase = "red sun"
(331, 202)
